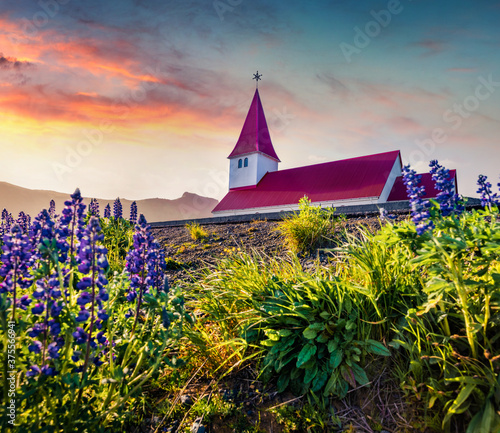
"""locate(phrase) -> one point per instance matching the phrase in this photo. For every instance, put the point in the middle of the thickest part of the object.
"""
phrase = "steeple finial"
(256, 77)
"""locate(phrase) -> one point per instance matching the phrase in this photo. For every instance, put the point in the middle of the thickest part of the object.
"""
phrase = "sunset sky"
(146, 98)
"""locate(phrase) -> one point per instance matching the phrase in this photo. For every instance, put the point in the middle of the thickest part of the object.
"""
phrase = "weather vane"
(256, 77)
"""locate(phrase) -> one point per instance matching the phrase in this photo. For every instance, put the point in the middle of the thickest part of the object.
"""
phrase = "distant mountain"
(15, 199)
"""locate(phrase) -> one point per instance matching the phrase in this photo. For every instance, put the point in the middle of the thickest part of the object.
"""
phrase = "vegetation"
(197, 232)
(102, 347)
(310, 228)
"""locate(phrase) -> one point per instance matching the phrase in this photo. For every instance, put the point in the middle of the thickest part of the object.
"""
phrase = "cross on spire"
(256, 77)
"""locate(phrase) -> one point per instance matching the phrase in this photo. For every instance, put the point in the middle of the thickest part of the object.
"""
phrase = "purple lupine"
(71, 223)
(48, 241)
(449, 201)
(117, 209)
(156, 266)
(52, 208)
(15, 262)
(133, 212)
(107, 211)
(94, 208)
(24, 222)
(49, 304)
(420, 208)
(140, 262)
(7, 221)
(488, 198)
(92, 260)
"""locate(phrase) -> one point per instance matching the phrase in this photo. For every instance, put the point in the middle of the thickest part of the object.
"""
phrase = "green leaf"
(335, 358)
(268, 342)
(360, 374)
(350, 325)
(319, 380)
(309, 333)
(322, 338)
(458, 404)
(305, 354)
(325, 315)
(311, 373)
(285, 332)
(377, 348)
(348, 375)
(283, 382)
(332, 345)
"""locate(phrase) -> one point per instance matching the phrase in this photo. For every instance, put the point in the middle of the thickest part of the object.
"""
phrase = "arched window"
(246, 162)
(240, 163)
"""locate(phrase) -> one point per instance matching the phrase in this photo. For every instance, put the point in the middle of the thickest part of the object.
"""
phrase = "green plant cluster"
(310, 228)
(431, 302)
(197, 232)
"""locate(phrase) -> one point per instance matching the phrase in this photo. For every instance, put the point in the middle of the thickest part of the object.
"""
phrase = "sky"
(146, 98)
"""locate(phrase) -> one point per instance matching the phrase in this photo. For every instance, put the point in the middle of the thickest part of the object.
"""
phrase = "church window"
(246, 162)
(239, 163)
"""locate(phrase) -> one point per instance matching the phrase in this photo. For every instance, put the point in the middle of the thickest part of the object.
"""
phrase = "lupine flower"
(420, 208)
(33, 371)
(92, 259)
(52, 208)
(117, 209)
(488, 198)
(7, 221)
(80, 336)
(15, 261)
(449, 202)
(133, 212)
(35, 347)
(94, 208)
(143, 262)
(48, 239)
(71, 223)
(24, 222)
(107, 211)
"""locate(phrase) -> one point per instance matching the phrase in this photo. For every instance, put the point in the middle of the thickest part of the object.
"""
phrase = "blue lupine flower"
(24, 222)
(80, 336)
(48, 371)
(131, 296)
(117, 209)
(15, 261)
(35, 347)
(38, 309)
(93, 208)
(55, 309)
(76, 355)
(48, 239)
(71, 223)
(133, 212)
(420, 208)
(488, 198)
(36, 330)
(33, 371)
(103, 315)
(83, 315)
(53, 350)
(52, 208)
(101, 338)
(24, 302)
(97, 362)
(107, 211)
(84, 298)
(449, 201)
(55, 328)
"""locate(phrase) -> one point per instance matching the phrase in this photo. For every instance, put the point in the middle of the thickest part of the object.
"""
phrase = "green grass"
(197, 232)
(311, 228)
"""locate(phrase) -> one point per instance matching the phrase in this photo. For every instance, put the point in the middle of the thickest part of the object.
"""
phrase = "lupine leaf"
(305, 354)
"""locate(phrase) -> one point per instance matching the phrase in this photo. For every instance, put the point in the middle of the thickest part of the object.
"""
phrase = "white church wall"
(244, 176)
(264, 165)
(395, 172)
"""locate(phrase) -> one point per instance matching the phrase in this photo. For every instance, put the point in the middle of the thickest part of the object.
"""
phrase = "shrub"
(196, 231)
(312, 227)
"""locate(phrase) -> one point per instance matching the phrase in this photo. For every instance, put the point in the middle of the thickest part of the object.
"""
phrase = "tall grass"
(197, 232)
(312, 227)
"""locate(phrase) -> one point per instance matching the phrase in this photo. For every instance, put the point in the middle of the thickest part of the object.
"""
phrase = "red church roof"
(255, 136)
(398, 191)
(353, 178)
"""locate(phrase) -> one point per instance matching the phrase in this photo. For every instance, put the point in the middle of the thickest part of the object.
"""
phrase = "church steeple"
(254, 154)
(255, 135)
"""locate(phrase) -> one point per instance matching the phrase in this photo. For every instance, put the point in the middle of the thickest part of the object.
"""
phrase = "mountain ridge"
(15, 199)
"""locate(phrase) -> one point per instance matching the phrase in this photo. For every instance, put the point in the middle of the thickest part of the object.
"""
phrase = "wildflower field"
(94, 339)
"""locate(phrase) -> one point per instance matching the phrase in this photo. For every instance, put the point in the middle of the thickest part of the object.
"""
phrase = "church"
(257, 186)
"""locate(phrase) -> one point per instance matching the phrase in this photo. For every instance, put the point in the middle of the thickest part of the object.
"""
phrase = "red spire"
(255, 136)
